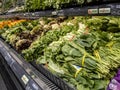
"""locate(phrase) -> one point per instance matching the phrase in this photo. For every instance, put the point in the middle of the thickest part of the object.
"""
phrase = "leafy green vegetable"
(37, 48)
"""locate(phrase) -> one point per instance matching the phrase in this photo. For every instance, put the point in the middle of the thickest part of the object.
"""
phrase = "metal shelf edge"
(25, 78)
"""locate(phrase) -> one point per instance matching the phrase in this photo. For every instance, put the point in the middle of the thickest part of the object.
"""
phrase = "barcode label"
(104, 10)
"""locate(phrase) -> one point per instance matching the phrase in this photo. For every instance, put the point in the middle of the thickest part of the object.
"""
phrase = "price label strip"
(92, 11)
(104, 10)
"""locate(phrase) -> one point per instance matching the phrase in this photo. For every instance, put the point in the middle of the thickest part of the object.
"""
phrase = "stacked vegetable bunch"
(21, 35)
(8, 4)
(84, 51)
(56, 4)
(10, 23)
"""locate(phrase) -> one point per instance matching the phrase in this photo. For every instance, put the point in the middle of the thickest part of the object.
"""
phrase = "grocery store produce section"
(83, 51)
(59, 49)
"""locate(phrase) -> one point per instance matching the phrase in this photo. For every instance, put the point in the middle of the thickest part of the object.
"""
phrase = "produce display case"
(11, 6)
(43, 78)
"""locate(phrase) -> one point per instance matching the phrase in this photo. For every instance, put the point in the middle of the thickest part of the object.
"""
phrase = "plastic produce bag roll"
(115, 82)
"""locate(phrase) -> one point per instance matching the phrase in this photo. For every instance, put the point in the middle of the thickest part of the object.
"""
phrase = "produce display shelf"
(28, 76)
(2, 84)
(58, 81)
(112, 9)
(9, 81)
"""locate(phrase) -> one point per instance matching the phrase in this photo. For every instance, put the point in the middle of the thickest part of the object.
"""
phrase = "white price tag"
(104, 10)
(92, 11)
(25, 79)
(54, 13)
